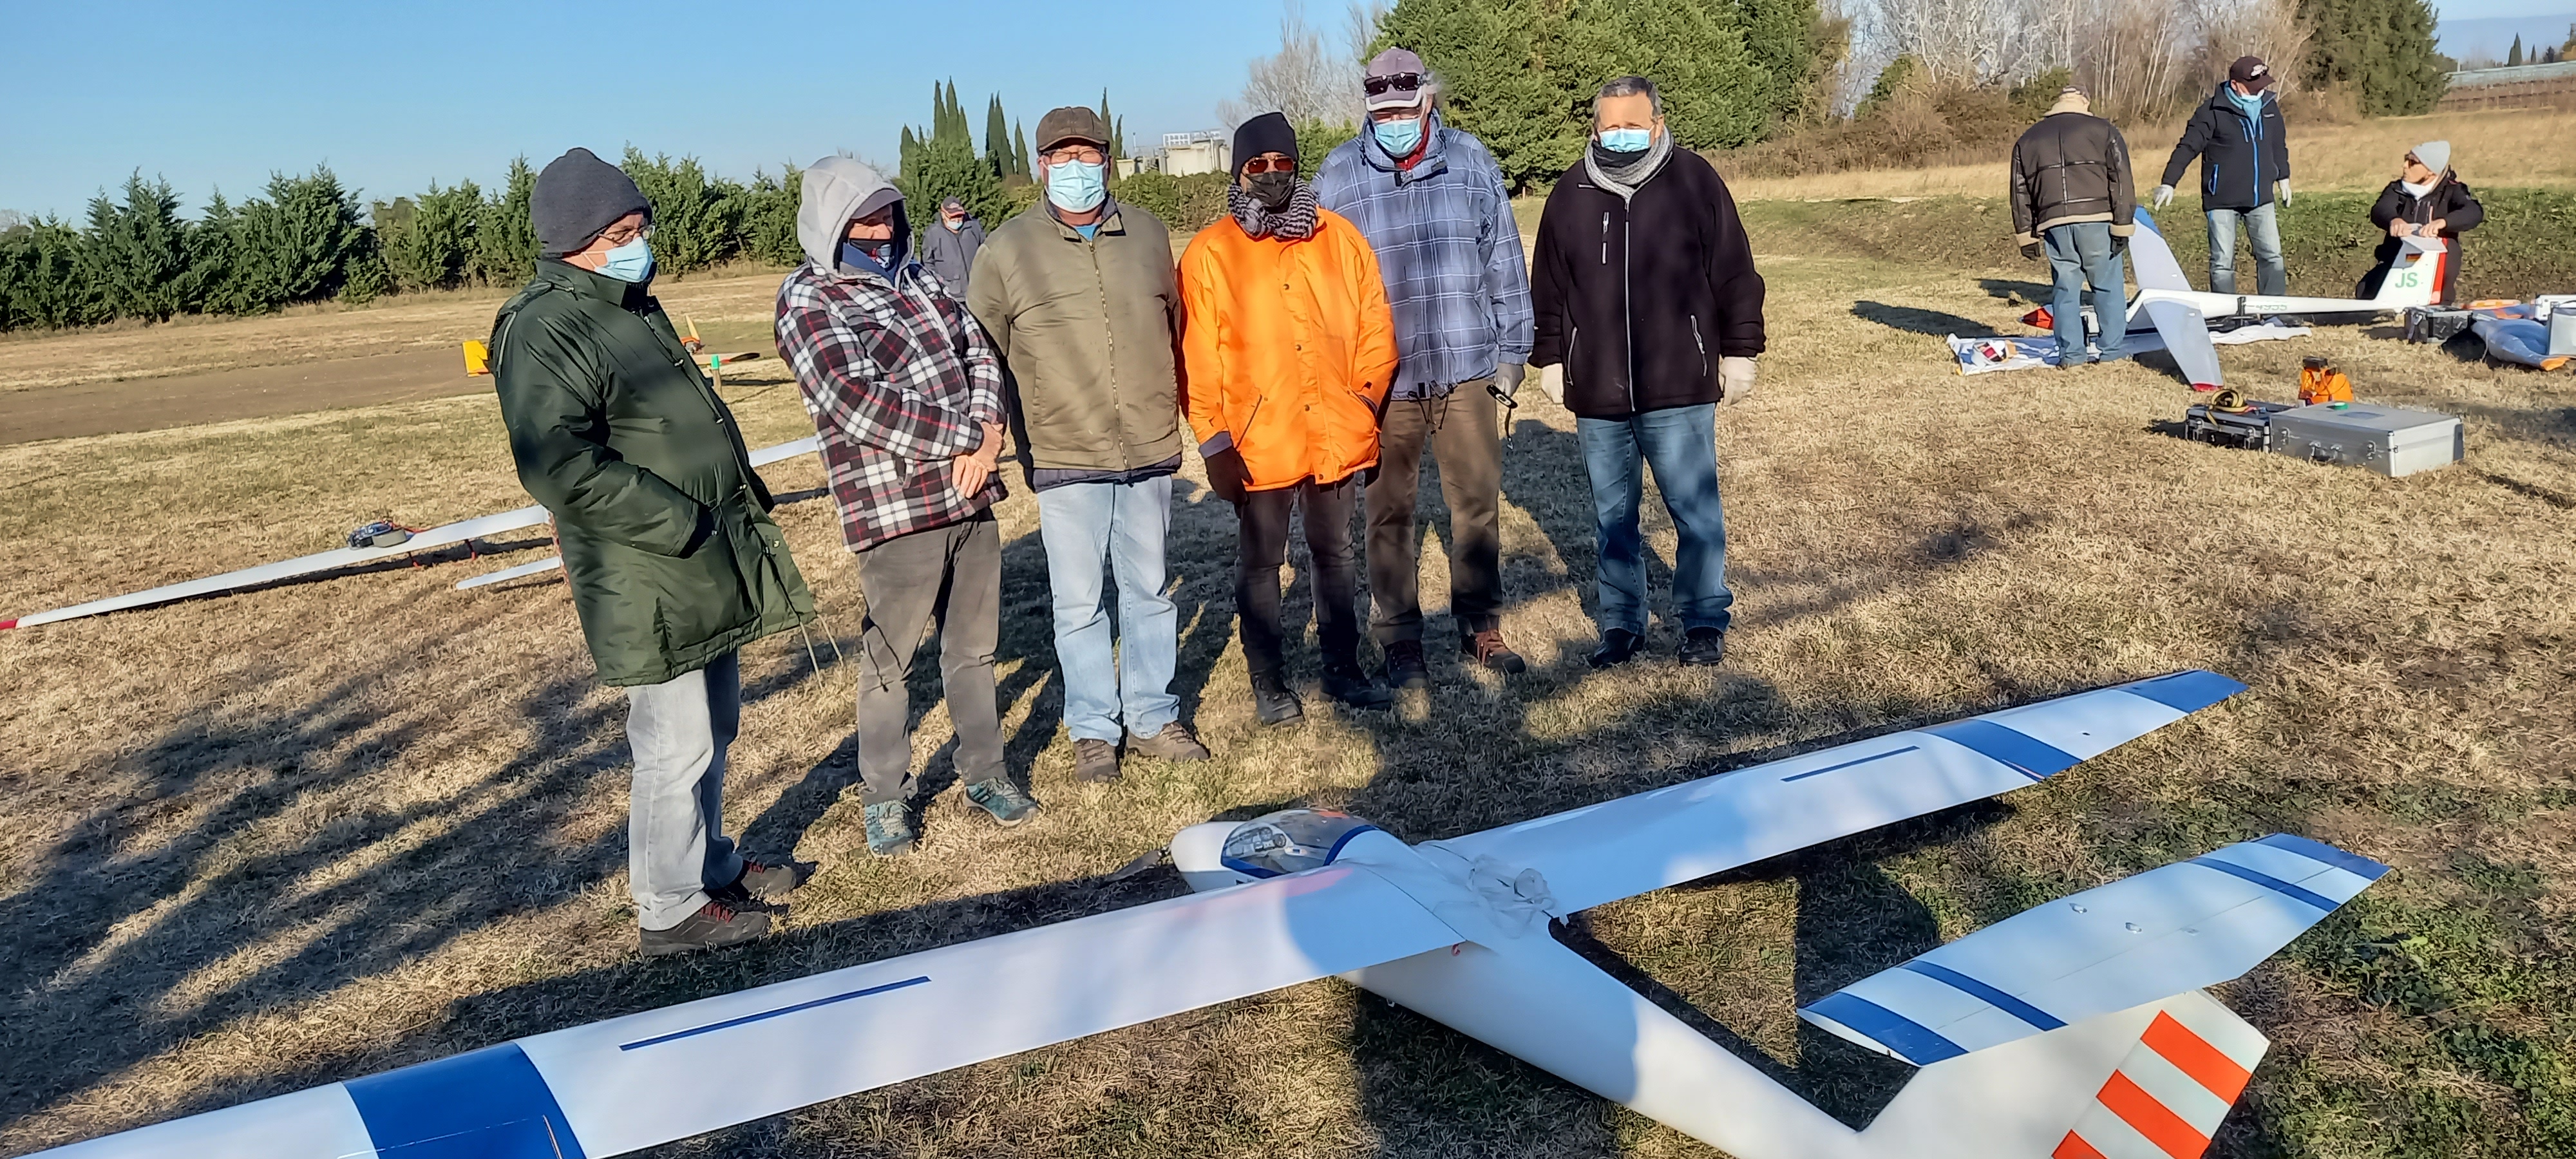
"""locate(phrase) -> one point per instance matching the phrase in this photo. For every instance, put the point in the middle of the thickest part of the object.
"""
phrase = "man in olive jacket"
(1082, 305)
(666, 537)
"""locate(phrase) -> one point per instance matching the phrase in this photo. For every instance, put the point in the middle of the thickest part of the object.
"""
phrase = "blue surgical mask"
(632, 262)
(1627, 140)
(1075, 187)
(1399, 137)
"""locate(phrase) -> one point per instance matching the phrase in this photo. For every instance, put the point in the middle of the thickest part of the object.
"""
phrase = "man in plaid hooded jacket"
(907, 396)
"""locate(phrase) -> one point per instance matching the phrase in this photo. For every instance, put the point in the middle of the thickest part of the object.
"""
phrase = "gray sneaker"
(715, 924)
(1094, 760)
(890, 832)
(770, 880)
(1004, 800)
(1173, 743)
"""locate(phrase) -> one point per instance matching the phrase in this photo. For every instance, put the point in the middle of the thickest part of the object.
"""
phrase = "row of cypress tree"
(308, 238)
(941, 161)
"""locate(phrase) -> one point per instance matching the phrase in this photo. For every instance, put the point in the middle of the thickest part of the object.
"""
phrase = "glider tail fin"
(2418, 276)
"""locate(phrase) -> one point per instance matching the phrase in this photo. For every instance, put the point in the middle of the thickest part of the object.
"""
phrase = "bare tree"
(2137, 57)
(1307, 79)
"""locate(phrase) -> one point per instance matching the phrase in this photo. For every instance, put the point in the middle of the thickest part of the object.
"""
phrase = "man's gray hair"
(1628, 86)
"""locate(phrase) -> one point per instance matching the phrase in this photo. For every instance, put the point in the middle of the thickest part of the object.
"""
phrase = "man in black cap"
(2244, 151)
(673, 561)
(948, 247)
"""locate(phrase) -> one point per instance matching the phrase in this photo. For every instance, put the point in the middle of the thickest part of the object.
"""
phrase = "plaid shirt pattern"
(1449, 249)
(899, 379)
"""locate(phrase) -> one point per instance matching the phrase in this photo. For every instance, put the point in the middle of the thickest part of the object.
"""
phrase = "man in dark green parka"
(667, 541)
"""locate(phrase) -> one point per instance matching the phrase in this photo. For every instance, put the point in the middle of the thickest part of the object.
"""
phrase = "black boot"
(1346, 682)
(1272, 702)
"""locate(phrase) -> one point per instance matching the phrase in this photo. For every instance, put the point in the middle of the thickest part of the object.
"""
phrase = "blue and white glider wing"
(611, 1087)
(2151, 260)
(1633, 845)
(2184, 330)
(2148, 937)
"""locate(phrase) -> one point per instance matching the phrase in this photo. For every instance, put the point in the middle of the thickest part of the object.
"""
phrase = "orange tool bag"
(2322, 383)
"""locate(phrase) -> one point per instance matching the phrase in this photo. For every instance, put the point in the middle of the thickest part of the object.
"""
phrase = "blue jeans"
(1680, 443)
(2077, 254)
(2263, 229)
(1080, 524)
(676, 848)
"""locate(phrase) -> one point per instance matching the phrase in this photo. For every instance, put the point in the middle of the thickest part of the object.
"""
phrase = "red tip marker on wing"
(9, 623)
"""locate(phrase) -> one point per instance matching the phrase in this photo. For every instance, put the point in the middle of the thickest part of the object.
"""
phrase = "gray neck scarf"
(1624, 180)
(1292, 222)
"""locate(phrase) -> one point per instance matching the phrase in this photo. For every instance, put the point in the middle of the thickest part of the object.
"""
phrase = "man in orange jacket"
(1289, 348)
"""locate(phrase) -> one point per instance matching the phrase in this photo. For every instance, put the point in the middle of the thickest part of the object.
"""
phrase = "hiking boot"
(1004, 800)
(890, 832)
(1095, 761)
(1487, 648)
(1353, 688)
(1703, 648)
(1405, 667)
(1618, 646)
(1173, 743)
(715, 924)
(768, 880)
(1272, 702)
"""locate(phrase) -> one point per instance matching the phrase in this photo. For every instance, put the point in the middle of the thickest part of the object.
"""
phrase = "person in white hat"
(2426, 200)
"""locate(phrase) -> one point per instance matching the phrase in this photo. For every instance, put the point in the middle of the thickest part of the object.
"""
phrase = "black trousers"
(1261, 547)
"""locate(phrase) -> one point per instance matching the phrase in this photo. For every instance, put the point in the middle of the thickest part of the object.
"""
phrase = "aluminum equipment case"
(2250, 429)
(2391, 440)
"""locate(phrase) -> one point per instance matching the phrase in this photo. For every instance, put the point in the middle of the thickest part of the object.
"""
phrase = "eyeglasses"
(1402, 82)
(618, 237)
(1083, 154)
(1266, 165)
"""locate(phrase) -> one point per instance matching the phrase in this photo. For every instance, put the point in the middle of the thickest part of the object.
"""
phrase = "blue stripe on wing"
(2033, 758)
(1911, 1040)
(486, 1104)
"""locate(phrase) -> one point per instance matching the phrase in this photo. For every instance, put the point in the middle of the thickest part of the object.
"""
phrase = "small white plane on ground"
(2075, 1030)
(431, 539)
(2181, 314)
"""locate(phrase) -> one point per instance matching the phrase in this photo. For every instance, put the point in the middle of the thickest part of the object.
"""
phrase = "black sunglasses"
(1405, 81)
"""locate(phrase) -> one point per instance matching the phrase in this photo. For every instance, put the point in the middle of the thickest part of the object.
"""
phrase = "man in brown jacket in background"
(1081, 302)
(2072, 191)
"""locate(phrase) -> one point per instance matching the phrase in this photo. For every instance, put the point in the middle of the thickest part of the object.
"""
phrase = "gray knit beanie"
(577, 196)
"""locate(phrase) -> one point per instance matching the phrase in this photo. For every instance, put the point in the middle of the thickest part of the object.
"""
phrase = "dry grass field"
(2518, 147)
(288, 836)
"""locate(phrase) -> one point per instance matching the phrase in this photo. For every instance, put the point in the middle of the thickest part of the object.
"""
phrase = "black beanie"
(1267, 133)
(577, 196)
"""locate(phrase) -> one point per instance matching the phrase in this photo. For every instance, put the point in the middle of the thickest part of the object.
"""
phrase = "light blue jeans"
(1680, 444)
(2263, 229)
(1127, 672)
(2077, 254)
(676, 848)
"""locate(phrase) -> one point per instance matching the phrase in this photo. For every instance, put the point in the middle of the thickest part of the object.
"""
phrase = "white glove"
(2284, 188)
(1551, 381)
(1734, 379)
(2164, 196)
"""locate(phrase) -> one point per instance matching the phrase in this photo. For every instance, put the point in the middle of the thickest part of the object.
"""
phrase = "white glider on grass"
(2076, 1029)
(2181, 314)
(445, 535)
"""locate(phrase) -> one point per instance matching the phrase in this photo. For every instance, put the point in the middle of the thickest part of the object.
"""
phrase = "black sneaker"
(1618, 646)
(1353, 688)
(1273, 703)
(715, 924)
(1703, 647)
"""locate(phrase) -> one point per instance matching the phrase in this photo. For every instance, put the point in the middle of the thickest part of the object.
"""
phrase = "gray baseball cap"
(1395, 80)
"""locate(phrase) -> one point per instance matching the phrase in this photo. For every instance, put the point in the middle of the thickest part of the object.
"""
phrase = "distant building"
(2519, 85)
(1207, 151)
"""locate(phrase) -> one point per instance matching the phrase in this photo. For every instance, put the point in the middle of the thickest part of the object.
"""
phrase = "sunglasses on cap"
(1266, 165)
(1401, 82)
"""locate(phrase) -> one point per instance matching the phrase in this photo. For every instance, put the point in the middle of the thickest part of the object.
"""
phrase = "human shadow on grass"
(214, 889)
(2017, 291)
(1917, 320)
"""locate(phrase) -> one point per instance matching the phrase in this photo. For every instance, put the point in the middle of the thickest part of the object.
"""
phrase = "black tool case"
(2250, 428)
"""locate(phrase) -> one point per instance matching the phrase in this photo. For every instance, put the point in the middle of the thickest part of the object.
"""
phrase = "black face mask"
(1273, 189)
(1614, 158)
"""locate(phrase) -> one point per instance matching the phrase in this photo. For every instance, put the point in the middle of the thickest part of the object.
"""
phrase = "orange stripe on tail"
(2194, 1056)
(2162, 1127)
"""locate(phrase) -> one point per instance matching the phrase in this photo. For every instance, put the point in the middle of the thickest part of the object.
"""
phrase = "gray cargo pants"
(1461, 429)
(951, 576)
(675, 844)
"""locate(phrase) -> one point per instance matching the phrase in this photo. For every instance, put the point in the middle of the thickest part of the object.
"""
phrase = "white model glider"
(2076, 1029)
(446, 535)
(2181, 314)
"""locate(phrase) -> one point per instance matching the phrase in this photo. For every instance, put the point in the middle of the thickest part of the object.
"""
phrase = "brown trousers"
(1461, 430)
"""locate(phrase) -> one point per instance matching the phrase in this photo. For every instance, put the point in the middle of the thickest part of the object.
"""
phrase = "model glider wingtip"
(9, 623)
(2188, 691)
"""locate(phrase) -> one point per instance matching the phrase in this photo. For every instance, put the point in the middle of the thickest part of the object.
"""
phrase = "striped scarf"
(1294, 223)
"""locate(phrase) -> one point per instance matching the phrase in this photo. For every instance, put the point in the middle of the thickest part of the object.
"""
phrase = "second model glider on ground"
(2182, 315)
(430, 539)
(2075, 1029)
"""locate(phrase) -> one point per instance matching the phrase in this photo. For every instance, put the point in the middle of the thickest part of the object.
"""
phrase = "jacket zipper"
(1628, 307)
(1109, 335)
(1703, 346)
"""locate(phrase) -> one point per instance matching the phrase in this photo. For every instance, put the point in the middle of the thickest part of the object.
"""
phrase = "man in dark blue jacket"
(2244, 152)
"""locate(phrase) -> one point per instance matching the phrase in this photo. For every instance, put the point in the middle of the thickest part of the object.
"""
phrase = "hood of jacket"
(835, 188)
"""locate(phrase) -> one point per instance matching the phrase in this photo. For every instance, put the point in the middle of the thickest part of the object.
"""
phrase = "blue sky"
(219, 94)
